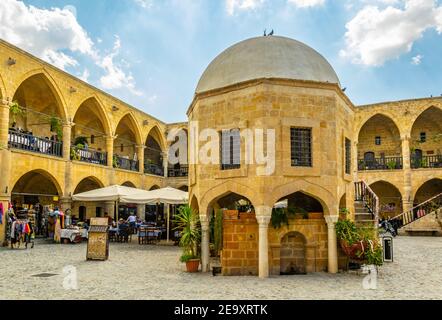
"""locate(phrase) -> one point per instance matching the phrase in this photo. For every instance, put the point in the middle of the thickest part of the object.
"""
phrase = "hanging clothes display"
(1, 213)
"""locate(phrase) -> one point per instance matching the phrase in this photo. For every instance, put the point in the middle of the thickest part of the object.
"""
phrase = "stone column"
(165, 162)
(4, 124)
(205, 251)
(141, 211)
(66, 203)
(110, 150)
(140, 156)
(332, 244)
(263, 216)
(407, 202)
(67, 129)
(5, 154)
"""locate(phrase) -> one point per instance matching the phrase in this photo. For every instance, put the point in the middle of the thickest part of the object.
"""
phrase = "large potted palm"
(187, 222)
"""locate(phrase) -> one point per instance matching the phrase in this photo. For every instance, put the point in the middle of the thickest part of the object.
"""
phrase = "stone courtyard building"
(257, 90)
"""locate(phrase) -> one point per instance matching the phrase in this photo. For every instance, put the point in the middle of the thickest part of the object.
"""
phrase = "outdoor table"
(70, 234)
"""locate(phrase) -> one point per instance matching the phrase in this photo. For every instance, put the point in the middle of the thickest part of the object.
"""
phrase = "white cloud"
(55, 36)
(85, 75)
(44, 33)
(417, 60)
(306, 3)
(375, 35)
(232, 6)
(115, 77)
(147, 4)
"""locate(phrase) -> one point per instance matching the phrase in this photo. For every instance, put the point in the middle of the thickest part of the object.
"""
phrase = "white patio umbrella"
(113, 193)
(167, 196)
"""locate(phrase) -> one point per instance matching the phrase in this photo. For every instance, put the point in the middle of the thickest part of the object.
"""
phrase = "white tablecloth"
(69, 234)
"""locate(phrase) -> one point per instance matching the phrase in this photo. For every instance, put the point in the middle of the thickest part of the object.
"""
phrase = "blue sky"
(151, 53)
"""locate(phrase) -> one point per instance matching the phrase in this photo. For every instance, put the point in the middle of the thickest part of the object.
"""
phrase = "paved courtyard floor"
(154, 272)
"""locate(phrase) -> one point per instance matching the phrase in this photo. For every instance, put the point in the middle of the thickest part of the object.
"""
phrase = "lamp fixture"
(145, 122)
(11, 61)
(72, 90)
(115, 108)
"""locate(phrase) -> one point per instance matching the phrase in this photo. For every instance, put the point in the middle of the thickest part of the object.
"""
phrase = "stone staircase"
(366, 206)
(363, 216)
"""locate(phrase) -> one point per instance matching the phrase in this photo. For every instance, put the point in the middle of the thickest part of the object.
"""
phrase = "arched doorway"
(37, 194)
(89, 134)
(153, 153)
(125, 145)
(184, 188)
(292, 254)
(82, 211)
(427, 191)
(390, 199)
(379, 145)
(426, 140)
(36, 120)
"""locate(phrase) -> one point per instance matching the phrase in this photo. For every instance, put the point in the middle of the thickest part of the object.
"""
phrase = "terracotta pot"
(352, 250)
(315, 215)
(193, 265)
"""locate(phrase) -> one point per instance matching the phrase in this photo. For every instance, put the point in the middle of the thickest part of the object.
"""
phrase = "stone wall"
(240, 246)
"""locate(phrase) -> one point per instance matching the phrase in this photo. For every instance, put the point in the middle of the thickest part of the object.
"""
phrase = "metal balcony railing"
(426, 162)
(154, 169)
(385, 163)
(28, 142)
(89, 156)
(125, 164)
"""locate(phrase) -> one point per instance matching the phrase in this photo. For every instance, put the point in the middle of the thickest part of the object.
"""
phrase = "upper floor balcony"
(383, 163)
(22, 140)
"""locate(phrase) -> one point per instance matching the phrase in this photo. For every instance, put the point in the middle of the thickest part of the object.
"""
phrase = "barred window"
(347, 156)
(230, 150)
(301, 145)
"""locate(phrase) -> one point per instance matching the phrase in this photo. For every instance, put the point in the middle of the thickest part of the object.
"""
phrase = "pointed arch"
(156, 134)
(94, 99)
(225, 188)
(370, 117)
(47, 175)
(49, 80)
(134, 124)
(325, 197)
(91, 180)
(129, 184)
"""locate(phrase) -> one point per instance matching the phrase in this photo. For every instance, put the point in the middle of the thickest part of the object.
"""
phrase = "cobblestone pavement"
(153, 272)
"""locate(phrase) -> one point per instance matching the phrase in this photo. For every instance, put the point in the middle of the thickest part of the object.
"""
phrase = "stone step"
(363, 216)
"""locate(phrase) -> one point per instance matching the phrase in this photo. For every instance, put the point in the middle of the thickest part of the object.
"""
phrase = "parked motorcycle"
(388, 227)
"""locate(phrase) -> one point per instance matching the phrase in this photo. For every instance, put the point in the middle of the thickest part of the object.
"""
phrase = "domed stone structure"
(266, 57)
(280, 91)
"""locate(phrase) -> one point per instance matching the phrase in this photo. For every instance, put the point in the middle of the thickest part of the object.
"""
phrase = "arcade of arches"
(63, 136)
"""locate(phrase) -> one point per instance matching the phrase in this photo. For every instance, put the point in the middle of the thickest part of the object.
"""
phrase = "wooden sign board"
(98, 241)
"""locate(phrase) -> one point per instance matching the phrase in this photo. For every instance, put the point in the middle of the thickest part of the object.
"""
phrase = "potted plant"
(16, 110)
(279, 218)
(391, 165)
(187, 221)
(359, 243)
(56, 126)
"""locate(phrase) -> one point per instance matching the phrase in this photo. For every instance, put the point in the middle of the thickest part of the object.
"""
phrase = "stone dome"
(266, 57)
